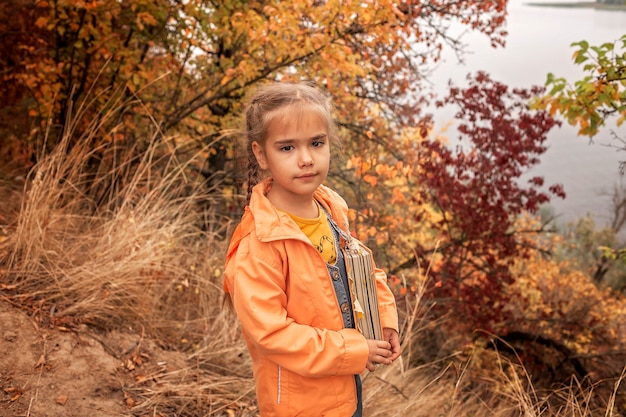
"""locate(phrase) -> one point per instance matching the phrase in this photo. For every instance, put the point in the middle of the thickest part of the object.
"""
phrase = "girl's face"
(297, 155)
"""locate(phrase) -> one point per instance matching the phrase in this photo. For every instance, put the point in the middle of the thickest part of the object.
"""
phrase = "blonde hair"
(281, 100)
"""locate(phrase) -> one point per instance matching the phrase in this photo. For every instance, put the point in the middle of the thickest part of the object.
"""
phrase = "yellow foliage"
(556, 300)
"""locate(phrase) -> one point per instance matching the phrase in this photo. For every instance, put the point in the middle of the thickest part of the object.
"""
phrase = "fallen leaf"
(17, 393)
(129, 365)
(61, 399)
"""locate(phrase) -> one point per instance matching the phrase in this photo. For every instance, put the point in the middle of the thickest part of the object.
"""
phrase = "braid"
(253, 125)
(253, 172)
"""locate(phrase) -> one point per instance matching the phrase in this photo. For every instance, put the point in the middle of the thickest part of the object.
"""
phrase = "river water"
(538, 42)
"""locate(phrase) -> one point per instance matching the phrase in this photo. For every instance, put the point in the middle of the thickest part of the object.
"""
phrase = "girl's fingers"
(383, 359)
(380, 353)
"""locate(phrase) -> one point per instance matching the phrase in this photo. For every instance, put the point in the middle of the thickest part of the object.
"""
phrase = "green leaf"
(557, 88)
(580, 58)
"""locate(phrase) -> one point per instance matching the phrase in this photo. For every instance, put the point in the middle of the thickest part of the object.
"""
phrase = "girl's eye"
(317, 143)
(286, 148)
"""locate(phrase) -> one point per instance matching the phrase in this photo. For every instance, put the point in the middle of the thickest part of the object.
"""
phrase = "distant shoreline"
(583, 4)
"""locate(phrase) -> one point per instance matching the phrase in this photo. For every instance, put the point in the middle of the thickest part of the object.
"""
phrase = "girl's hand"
(391, 336)
(379, 353)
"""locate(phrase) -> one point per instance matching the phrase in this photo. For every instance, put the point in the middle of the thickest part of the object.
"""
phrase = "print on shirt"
(324, 240)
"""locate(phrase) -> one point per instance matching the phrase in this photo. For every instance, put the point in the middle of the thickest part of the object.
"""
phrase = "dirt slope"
(55, 372)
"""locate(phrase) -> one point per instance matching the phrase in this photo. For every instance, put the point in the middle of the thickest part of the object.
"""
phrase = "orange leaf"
(41, 22)
(370, 179)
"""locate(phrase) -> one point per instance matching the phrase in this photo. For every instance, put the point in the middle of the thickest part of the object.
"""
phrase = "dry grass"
(130, 257)
(457, 390)
(114, 238)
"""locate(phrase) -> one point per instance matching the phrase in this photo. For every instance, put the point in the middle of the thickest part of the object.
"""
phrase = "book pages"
(360, 268)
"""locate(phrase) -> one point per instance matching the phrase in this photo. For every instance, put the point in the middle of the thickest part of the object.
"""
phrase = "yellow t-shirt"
(319, 233)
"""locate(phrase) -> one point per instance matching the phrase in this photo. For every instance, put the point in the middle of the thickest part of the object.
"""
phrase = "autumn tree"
(479, 188)
(185, 66)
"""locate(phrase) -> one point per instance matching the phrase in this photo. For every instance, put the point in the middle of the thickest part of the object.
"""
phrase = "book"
(360, 268)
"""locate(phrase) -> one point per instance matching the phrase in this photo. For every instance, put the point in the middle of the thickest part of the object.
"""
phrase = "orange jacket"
(304, 360)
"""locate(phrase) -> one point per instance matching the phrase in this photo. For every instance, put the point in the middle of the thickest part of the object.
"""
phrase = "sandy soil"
(58, 372)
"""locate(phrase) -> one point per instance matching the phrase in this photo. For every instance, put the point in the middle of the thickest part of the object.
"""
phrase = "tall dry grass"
(116, 237)
(131, 255)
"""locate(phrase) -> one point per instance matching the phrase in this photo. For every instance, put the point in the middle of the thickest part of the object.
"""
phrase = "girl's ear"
(259, 154)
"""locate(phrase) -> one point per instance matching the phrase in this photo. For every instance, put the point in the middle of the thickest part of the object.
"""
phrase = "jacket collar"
(271, 224)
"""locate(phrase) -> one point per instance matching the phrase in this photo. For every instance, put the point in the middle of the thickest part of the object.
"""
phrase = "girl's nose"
(305, 158)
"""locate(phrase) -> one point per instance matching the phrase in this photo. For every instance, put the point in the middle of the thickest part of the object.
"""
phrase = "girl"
(284, 268)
